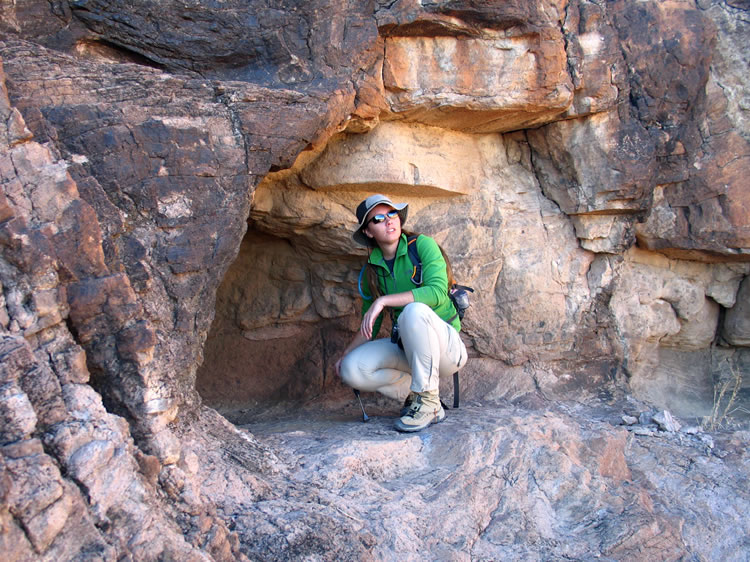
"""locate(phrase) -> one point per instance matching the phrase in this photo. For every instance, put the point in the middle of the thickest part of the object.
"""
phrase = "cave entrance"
(284, 313)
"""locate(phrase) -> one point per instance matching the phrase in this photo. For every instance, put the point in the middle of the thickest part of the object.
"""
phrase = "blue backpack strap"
(411, 246)
(359, 284)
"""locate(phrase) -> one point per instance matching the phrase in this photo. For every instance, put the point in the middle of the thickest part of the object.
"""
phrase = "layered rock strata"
(178, 185)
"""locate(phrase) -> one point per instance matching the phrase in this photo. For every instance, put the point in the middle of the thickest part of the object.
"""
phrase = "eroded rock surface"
(512, 482)
(175, 219)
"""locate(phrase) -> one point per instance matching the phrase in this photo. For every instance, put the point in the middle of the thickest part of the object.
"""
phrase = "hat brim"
(403, 211)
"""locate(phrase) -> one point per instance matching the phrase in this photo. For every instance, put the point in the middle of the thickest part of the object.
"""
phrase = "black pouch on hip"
(395, 337)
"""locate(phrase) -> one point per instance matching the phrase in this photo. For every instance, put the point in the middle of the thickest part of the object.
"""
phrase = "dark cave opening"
(269, 347)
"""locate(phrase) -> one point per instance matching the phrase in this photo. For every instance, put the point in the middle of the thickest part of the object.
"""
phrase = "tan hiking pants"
(432, 348)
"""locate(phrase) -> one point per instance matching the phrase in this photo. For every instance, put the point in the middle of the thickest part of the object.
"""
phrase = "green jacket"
(434, 289)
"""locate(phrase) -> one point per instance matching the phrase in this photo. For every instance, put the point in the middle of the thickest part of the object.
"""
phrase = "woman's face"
(385, 232)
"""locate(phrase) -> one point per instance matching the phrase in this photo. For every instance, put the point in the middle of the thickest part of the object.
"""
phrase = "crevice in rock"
(224, 98)
(102, 50)
(21, 525)
(99, 379)
(428, 29)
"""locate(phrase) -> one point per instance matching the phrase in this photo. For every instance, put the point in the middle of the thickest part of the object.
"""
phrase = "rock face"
(175, 221)
(511, 483)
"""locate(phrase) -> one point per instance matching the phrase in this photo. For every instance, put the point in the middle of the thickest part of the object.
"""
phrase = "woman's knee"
(413, 314)
(349, 369)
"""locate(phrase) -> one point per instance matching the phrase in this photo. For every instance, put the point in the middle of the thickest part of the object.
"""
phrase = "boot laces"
(414, 406)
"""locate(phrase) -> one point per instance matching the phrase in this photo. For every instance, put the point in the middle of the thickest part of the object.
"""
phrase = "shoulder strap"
(359, 283)
(411, 246)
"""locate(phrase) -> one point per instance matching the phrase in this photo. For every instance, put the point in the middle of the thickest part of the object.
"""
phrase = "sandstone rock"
(611, 234)
(598, 165)
(452, 81)
(595, 61)
(666, 422)
(256, 42)
(731, 52)
(16, 413)
(675, 302)
(406, 158)
(697, 193)
(736, 328)
(480, 231)
(132, 140)
(675, 323)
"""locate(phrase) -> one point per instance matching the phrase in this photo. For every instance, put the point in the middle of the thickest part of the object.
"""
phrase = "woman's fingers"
(368, 321)
(366, 329)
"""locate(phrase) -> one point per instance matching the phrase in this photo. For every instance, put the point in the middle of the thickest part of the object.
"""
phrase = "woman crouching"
(425, 344)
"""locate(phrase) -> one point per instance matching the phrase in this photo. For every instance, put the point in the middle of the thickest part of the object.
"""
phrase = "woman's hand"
(368, 320)
(394, 300)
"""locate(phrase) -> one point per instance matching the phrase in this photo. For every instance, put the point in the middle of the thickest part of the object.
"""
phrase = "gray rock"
(666, 422)
(692, 430)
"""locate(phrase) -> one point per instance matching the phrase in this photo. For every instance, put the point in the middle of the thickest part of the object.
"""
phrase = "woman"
(427, 322)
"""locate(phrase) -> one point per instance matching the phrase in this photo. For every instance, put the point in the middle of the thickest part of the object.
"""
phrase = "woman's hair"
(372, 272)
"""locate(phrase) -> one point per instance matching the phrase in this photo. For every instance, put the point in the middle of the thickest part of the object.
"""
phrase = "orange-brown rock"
(477, 85)
(178, 185)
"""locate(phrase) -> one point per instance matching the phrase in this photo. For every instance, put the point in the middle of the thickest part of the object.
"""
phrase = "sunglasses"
(377, 219)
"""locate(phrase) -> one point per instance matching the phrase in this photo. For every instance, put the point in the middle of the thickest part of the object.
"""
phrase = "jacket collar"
(376, 256)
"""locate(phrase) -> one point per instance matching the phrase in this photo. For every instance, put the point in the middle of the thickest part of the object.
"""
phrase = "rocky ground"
(530, 480)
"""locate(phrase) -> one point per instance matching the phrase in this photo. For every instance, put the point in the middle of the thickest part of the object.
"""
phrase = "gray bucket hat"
(367, 205)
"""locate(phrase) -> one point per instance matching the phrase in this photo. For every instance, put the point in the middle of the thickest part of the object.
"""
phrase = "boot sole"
(414, 428)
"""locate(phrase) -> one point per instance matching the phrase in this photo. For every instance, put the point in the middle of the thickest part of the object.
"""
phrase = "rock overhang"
(477, 85)
(400, 158)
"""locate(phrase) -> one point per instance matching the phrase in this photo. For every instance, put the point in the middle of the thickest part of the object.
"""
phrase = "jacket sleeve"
(434, 288)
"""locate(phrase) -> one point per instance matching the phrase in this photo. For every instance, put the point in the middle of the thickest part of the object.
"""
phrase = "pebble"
(692, 430)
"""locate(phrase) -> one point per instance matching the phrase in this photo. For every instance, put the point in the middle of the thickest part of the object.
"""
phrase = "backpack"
(457, 293)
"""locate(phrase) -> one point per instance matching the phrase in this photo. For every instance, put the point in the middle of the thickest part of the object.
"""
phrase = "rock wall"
(578, 189)
(178, 185)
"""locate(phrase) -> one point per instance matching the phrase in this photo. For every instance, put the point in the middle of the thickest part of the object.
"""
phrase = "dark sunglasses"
(381, 217)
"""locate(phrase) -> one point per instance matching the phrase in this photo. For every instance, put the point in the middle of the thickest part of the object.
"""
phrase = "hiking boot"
(407, 404)
(424, 410)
